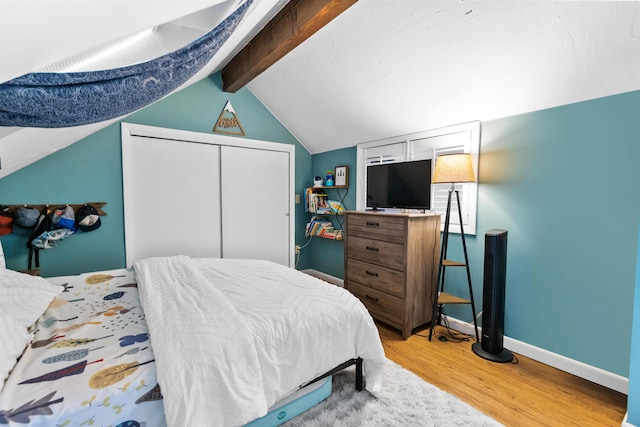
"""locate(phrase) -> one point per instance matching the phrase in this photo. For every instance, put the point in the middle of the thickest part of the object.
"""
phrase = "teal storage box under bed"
(295, 404)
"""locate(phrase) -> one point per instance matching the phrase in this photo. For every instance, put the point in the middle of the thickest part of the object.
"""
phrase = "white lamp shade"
(453, 168)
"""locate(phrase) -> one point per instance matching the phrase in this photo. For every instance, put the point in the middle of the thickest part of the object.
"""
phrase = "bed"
(177, 341)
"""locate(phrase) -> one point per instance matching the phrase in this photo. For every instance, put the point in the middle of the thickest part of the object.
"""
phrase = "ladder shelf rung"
(449, 263)
(445, 298)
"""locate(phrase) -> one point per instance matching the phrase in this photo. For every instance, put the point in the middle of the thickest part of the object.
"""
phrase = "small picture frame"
(342, 176)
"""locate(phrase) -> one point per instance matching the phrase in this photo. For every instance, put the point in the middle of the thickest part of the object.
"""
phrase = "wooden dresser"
(391, 264)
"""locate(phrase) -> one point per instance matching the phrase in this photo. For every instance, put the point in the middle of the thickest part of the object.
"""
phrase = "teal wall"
(633, 401)
(564, 183)
(323, 254)
(90, 170)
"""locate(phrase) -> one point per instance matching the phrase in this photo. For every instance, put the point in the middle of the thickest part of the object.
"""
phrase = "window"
(463, 138)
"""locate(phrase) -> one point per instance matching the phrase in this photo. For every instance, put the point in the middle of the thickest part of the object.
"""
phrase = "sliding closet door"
(255, 204)
(171, 198)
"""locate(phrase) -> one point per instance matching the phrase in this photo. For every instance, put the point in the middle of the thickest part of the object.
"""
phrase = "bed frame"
(310, 393)
(359, 373)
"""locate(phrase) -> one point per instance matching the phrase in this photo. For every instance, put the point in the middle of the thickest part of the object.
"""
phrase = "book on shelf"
(316, 202)
(332, 234)
(321, 203)
(318, 227)
(336, 207)
(309, 201)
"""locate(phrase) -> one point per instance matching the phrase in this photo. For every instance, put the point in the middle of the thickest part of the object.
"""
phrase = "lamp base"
(502, 357)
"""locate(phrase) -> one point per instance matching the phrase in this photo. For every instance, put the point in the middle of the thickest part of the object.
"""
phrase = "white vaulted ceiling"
(381, 68)
(387, 68)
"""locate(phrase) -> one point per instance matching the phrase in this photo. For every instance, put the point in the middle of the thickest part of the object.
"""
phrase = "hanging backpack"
(43, 224)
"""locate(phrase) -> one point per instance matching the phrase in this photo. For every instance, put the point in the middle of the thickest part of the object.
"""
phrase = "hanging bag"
(43, 224)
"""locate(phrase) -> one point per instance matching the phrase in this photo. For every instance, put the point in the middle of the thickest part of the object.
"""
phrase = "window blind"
(464, 138)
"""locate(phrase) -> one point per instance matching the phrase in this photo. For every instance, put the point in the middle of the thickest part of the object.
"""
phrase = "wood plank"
(523, 393)
(445, 298)
(295, 23)
(384, 279)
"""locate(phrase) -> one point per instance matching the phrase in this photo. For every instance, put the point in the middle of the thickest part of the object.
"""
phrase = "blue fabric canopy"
(54, 100)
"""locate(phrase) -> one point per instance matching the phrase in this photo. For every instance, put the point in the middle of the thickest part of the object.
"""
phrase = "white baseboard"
(599, 376)
(596, 375)
(626, 423)
(324, 276)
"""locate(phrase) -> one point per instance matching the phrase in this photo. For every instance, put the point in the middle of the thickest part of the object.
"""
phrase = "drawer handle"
(371, 298)
(371, 248)
(373, 224)
(371, 274)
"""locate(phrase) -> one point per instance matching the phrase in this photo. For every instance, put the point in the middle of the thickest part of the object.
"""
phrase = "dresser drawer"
(378, 303)
(374, 276)
(391, 229)
(376, 251)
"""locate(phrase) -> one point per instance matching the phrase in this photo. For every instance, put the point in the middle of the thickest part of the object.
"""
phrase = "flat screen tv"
(401, 185)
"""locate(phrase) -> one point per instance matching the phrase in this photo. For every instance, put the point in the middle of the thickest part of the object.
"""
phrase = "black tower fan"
(490, 346)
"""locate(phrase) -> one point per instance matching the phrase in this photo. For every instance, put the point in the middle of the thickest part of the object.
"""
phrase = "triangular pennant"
(228, 121)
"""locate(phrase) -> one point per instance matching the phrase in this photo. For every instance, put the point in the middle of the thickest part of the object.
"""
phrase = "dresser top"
(394, 213)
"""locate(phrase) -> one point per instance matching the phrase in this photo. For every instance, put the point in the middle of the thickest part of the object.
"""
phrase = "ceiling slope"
(35, 34)
(81, 29)
(387, 68)
(295, 23)
(382, 68)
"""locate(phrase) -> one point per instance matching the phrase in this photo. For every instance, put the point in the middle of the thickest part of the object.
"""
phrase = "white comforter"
(231, 337)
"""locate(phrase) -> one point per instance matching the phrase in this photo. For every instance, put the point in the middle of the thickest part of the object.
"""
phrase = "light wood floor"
(526, 393)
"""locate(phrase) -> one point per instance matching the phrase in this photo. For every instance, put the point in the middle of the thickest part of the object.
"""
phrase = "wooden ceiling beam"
(295, 23)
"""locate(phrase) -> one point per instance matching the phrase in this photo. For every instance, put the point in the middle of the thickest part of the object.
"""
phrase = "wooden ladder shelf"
(445, 298)
(442, 298)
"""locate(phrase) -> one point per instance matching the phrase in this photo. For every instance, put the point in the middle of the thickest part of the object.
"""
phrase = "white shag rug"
(405, 401)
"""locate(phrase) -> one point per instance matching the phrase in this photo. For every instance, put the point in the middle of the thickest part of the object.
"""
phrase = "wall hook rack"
(52, 206)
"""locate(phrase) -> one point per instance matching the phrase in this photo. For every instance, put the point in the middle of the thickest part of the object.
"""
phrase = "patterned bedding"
(90, 362)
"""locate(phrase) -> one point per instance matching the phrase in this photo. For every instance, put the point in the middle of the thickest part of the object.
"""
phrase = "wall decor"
(228, 121)
(341, 175)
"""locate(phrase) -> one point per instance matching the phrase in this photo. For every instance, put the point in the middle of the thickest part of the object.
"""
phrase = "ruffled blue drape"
(53, 100)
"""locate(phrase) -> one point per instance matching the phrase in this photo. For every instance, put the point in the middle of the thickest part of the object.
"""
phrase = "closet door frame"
(129, 130)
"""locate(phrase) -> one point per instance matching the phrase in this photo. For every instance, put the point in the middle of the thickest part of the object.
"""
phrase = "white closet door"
(255, 204)
(171, 198)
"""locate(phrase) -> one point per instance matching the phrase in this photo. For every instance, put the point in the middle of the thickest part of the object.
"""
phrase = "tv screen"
(401, 185)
